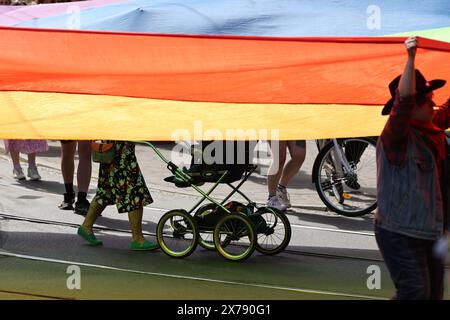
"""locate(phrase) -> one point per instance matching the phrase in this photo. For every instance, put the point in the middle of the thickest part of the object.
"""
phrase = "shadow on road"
(102, 221)
(54, 187)
(302, 181)
(361, 224)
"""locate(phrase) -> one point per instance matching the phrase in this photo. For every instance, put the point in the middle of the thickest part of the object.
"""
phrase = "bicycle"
(344, 174)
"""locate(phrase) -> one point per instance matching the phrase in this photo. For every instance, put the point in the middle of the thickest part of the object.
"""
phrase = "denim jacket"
(410, 199)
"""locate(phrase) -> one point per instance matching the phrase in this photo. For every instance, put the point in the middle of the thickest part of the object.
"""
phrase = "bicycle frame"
(339, 152)
(339, 160)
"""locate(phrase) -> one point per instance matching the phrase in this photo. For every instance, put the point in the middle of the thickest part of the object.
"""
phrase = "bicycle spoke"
(350, 187)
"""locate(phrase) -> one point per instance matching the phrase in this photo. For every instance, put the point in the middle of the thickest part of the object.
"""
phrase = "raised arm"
(396, 132)
(407, 85)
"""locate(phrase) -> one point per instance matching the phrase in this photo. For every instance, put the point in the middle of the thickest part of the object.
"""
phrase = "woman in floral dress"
(120, 183)
(30, 148)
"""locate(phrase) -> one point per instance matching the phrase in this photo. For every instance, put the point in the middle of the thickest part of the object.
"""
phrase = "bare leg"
(135, 218)
(95, 210)
(32, 160)
(84, 171)
(32, 168)
(294, 164)
(276, 167)
(15, 157)
(67, 160)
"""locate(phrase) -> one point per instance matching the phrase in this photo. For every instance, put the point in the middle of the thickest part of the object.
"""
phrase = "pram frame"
(206, 195)
(236, 216)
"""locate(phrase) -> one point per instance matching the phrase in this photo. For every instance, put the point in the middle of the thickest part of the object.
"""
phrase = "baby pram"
(232, 228)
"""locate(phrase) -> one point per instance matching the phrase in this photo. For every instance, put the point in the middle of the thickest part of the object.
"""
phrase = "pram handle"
(178, 172)
(170, 165)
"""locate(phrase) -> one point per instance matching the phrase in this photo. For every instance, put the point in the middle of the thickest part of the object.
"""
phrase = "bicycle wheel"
(205, 230)
(177, 233)
(273, 230)
(235, 237)
(349, 193)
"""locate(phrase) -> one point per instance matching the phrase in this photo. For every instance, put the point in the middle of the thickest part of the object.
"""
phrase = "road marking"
(333, 230)
(256, 285)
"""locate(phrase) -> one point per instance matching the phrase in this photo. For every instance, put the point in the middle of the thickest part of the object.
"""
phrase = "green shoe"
(89, 237)
(145, 246)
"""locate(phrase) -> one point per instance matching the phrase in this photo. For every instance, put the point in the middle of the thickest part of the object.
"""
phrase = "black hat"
(422, 87)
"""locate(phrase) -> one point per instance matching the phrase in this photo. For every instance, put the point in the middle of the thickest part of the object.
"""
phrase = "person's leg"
(67, 168)
(436, 269)
(17, 168)
(405, 258)
(354, 150)
(32, 168)
(297, 150)
(278, 149)
(15, 157)
(95, 210)
(68, 149)
(135, 218)
(31, 160)
(84, 171)
(83, 176)
(139, 242)
(85, 230)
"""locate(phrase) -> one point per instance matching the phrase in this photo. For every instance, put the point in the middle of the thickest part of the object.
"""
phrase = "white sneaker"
(18, 174)
(284, 198)
(274, 202)
(33, 174)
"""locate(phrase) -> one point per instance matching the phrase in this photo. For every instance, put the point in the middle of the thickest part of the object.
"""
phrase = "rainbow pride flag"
(148, 70)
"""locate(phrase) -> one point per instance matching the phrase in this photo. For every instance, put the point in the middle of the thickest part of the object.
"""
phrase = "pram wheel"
(177, 233)
(235, 237)
(205, 230)
(273, 230)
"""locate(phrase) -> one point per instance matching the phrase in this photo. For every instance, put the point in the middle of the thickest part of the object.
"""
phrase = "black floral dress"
(121, 182)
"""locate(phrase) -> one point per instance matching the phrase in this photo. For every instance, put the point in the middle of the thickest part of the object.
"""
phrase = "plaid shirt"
(395, 134)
